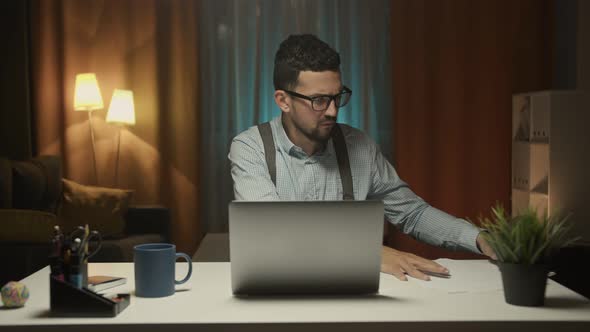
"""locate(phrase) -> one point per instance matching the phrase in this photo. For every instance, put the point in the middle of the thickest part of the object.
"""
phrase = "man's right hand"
(399, 263)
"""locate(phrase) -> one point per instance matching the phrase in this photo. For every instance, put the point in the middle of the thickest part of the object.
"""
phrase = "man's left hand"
(485, 248)
(400, 263)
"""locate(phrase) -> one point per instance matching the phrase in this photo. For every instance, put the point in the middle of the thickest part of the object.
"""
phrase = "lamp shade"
(87, 93)
(122, 109)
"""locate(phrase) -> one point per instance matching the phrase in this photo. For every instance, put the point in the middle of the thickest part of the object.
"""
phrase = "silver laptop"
(312, 247)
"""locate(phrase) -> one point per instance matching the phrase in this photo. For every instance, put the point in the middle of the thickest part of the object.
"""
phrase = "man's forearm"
(440, 229)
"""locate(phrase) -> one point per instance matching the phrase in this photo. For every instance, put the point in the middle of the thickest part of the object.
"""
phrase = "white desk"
(206, 304)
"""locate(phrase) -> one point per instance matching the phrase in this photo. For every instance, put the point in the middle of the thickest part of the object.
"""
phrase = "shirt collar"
(282, 141)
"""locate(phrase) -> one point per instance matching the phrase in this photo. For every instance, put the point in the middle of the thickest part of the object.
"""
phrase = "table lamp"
(121, 112)
(87, 98)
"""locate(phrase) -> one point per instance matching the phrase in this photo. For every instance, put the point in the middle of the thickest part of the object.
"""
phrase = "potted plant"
(524, 245)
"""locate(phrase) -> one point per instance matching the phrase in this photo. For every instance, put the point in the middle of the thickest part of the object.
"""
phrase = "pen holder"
(84, 274)
(76, 275)
(67, 300)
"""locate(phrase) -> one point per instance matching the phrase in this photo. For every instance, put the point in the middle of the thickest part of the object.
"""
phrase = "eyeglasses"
(322, 102)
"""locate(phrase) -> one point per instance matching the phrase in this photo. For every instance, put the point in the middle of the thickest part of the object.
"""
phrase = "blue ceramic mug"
(155, 269)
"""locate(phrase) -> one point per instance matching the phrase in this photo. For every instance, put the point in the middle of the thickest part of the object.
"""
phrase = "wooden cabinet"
(551, 155)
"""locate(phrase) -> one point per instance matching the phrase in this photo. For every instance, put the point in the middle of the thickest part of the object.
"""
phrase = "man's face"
(315, 125)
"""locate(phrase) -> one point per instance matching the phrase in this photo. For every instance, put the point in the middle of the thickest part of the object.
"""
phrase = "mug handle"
(190, 268)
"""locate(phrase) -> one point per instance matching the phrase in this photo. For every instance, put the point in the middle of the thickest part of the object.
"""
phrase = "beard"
(317, 134)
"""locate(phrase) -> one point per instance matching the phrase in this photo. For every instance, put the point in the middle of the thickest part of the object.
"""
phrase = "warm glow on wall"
(87, 93)
(122, 109)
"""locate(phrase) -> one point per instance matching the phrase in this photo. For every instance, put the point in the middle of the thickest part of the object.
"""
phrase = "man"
(309, 92)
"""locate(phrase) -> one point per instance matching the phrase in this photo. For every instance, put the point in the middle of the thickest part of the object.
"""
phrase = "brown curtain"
(456, 64)
(147, 46)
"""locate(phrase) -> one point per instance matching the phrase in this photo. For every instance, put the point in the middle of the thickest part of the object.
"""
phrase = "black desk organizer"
(69, 301)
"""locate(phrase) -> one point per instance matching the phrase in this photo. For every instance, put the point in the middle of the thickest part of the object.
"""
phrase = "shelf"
(549, 166)
(535, 142)
(528, 192)
(539, 142)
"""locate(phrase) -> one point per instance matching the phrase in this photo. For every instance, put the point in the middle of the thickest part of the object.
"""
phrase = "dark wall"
(15, 115)
(584, 45)
(571, 68)
(565, 44)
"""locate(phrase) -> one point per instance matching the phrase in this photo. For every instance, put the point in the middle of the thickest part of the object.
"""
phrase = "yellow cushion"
(26, 226)
(101, 208)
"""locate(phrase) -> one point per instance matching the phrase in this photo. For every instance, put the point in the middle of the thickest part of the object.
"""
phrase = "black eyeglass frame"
(345, 90)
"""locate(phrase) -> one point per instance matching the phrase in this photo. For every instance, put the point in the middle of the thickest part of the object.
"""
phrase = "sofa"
(33, 199)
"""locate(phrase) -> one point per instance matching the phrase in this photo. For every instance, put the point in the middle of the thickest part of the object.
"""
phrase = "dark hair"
(301, 53)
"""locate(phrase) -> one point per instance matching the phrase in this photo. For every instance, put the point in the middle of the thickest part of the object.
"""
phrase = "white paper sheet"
(478, 276)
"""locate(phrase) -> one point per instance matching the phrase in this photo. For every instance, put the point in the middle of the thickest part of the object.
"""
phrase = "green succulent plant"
(526, 238)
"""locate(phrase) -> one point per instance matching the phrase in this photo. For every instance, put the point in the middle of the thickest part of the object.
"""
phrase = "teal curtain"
(238, 41)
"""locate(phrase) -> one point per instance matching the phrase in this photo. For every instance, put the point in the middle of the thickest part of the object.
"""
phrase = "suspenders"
(341, 156)
(269, 150)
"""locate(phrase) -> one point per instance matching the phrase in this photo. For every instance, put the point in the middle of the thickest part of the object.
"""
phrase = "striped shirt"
(300, 177)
